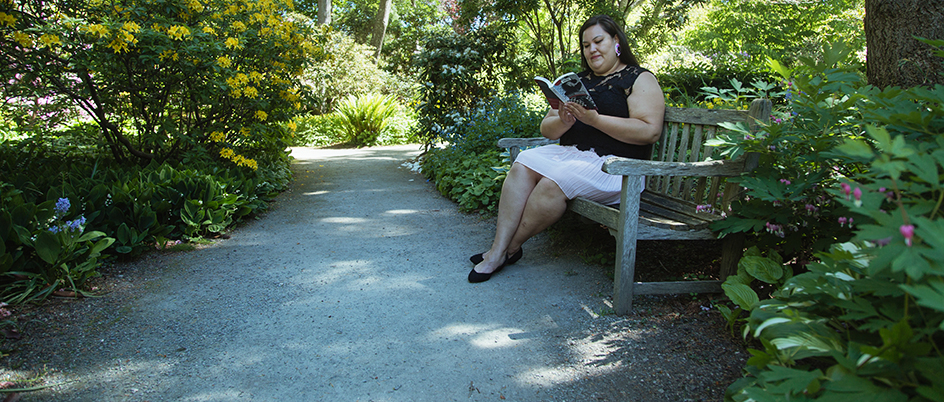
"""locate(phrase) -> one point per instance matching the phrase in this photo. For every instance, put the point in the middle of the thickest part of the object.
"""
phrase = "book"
(566, 88)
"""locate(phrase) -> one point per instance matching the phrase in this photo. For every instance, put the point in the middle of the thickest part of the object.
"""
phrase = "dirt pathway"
(353, 288)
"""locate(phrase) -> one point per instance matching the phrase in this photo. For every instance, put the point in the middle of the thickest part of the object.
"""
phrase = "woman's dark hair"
(626, 54)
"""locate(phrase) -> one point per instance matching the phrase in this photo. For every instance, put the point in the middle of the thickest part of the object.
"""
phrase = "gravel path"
(353, 288)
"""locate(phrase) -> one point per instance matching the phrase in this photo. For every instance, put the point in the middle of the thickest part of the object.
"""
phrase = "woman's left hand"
(587, 116)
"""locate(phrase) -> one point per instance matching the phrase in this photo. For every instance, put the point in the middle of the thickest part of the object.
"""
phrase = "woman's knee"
(549, 189)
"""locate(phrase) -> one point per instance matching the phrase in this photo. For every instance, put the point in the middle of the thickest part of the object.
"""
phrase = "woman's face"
(599, 48)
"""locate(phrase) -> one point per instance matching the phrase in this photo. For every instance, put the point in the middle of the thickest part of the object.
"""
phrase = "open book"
(567, 88)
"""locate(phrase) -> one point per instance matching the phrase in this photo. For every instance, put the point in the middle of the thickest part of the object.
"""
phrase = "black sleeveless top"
(609, 93)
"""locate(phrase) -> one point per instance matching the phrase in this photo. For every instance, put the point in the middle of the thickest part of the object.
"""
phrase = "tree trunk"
(894, 56)
(380, 26)
(324, 12)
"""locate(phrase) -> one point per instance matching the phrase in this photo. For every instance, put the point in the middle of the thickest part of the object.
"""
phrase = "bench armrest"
(524, 142)
(638, 167)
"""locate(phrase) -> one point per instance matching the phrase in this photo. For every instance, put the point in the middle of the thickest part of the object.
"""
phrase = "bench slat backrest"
(685, 132)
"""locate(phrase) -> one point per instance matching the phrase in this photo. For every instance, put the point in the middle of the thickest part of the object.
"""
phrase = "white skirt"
(577, 173)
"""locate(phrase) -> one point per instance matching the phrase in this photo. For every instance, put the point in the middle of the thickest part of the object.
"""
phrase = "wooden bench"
(679, 178)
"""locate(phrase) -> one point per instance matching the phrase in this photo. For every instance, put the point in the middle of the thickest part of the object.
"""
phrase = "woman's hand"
(587, 116)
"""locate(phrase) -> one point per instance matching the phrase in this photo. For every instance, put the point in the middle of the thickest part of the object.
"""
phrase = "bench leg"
(626, 245)
(732, 247)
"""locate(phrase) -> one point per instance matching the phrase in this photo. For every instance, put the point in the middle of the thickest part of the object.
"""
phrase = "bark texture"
(895, 57)
(324, 12)
(380, 26)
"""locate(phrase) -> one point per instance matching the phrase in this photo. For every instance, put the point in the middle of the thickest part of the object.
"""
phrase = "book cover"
(566, 88)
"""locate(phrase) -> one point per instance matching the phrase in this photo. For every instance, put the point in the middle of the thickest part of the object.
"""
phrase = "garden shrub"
(858, 181)
(163, 78)
(457, 73)
(364, 117)
(469, 169)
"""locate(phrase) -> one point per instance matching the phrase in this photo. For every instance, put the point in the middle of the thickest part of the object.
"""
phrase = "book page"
(573, 90)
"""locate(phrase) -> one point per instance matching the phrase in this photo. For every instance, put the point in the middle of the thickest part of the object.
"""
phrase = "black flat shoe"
(476, 259)
(476, 277)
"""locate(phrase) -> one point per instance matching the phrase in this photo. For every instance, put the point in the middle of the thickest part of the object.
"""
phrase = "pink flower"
(908, 232)
(785, 181)
(857, 193)
(846, 189)
(842, 221)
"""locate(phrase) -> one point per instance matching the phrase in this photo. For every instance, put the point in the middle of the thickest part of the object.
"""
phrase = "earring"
(617, 49)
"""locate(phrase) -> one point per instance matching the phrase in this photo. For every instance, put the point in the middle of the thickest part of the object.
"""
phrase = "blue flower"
(76, 224)
(62, 206)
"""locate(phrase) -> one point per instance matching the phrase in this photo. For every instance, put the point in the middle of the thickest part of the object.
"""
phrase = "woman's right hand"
(556, 123)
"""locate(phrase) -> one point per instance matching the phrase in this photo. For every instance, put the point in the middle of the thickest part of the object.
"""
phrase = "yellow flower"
(131, 27)
(232, 43)
(7, 19)
(227, 153)
(177, 32)
(244, 131)
(97, 29)
(239, 26)
(217, 136)
(209, 30)
(236, 93)
(224, 62)
(195, 6)
(292, 126)
(23, 39)
(49, 40)
(251, 92)
(261, 115)
(256, 77)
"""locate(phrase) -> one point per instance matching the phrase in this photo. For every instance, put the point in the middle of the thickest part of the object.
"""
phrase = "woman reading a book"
(627, 122)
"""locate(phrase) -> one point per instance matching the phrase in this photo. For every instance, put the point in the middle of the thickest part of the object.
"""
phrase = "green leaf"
(124, 234)
(856, 148)
(89, 236)
(741, 294)
(762, 268)
(930, 295)
(48, 246)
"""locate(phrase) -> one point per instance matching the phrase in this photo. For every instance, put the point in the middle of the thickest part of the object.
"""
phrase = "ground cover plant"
(848, 216)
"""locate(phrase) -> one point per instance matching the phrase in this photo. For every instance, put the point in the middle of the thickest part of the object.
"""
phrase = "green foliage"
(465, 170)
(364, 117)
(753, 266)
(787, 205)
(457, 72)
(110, 211)
(467, 178)
(41, 249)
(867, 319)
(318, 130)
(348, 69)
(159, 78)
(781, 30)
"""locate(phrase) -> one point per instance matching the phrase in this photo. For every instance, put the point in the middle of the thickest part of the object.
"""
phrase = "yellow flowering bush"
(162, 78)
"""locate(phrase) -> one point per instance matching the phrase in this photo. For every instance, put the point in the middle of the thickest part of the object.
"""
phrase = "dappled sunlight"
(402, 211)
(345, 220)
(481, 336)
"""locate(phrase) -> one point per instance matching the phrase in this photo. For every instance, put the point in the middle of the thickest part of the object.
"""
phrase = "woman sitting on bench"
(542, 180)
